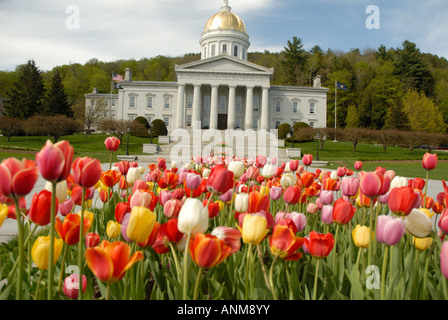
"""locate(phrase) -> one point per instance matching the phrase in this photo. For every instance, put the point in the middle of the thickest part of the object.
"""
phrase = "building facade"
(222, 90)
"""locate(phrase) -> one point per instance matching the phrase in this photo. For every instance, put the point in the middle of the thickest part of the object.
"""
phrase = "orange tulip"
(208, 251)
(110, 261)
(319, 245)
(402, 200)
(258, 202)
(285, 244)
(110, 178)
(306, 179)
(68, 230)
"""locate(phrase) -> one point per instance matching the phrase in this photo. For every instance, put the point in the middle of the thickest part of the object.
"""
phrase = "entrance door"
(222, 121)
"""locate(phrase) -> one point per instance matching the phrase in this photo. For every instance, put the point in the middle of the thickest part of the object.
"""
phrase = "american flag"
(117, 77)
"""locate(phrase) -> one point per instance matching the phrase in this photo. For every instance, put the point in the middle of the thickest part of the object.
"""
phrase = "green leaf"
(357, 293)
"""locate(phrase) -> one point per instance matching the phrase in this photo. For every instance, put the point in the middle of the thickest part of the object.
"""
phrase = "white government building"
(220, 91)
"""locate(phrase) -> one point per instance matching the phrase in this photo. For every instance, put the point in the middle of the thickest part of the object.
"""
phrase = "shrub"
(139, 127)
(283, 130)
(158, 128)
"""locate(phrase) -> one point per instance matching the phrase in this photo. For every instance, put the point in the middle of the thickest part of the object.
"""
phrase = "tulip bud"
(418, 224)
(237, 168)
(429, 161)
(241, 202)
(361, 236)
(193, 217)
(92, 239)
(71, 285)
(40, 251)
(113, 229)
(141, 223)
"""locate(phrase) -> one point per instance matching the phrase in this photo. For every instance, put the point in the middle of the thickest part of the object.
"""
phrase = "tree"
(422, 113)
(53, 126)
(117, 128)
(10, 127)
(89, 114)
(352, 120)
(412, 69)
(354, 136)
(56, 100)
(295, 58)
(26, 93)
(396, 118)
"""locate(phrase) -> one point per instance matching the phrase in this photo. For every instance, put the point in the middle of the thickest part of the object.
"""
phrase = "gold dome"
(225, 20)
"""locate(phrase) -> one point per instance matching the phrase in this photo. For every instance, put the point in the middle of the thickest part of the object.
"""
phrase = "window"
(295, 106)
(244, 53)
(277, 124)
(149, 102)
(113, 103)
(206, 102)
(149, 118)
(131, 117)
(238, 103)
(255, 124)
(205, 122)
(222, 103)
(278, 106)
(224, 48)
(235, 51)
(189, 101)
(238, 123)
(166, 119)
(213, 50)
(167, 102)
(312, 124)
(188, 120)
(205, 52)
(256, 103)
(312, 107)
(132, 102)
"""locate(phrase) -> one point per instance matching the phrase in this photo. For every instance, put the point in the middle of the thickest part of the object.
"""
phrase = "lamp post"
(127, 144)
(291, 132)
(150, 133)
(317, 139)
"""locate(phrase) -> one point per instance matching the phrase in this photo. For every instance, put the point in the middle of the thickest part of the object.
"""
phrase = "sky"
(59, 32)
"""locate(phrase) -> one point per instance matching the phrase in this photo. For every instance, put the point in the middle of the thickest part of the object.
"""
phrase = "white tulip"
(193, 217)
(418, 224)
(61, 190)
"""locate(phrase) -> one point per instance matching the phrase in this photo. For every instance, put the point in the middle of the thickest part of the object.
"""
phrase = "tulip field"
(220, 228)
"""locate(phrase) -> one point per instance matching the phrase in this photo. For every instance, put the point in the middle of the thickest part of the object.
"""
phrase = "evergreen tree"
(396, 118)
(295, 59)
(56, 100)
(26, 93)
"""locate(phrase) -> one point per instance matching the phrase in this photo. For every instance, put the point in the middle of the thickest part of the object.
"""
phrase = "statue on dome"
(226, 3)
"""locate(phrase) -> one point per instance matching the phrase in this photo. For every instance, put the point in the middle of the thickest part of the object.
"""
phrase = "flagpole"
(111, 89)
(335, 107)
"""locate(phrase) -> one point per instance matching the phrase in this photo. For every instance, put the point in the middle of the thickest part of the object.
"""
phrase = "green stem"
(383, 274)
(51, 256)
(315, 279)
(21, 248)
(417, 252)
(196, 286)
(36, 297)
(425, 274)
(108, 291)
(426, 188)
(176, 260)
(81, 242)
(110, 160)
(359, 256)
(369, 256)
(248, 264)
(335, 247)
(260, 256)
(271, 273)
(61, 275)
(185, 275)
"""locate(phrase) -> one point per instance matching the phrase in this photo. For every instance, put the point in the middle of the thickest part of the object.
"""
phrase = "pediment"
(223, 63)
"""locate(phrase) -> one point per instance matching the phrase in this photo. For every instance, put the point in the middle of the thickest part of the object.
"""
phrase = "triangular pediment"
(223, 63)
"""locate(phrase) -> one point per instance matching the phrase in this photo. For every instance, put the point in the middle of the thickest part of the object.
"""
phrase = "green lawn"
(84, 146)
(399, 159)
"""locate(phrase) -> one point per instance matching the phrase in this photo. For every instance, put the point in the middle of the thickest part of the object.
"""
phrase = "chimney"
(128, 75)
(316, 83)
(95, 90)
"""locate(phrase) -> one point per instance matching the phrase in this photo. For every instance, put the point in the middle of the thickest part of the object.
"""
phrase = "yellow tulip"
(87, 215)
(113, 229)
(254, 229)
(41, 251)
(3, 213)
(422, 243)
(361, 236)
(141, 223)
(264, 190)
(427, 212)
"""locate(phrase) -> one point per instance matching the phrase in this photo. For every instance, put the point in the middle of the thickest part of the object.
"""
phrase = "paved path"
(9, 228)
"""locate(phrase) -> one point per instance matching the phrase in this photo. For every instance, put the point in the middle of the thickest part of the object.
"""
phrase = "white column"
(231, 112)
(249, 107)
(265, 109)
(214, 108)
(196, 106)
(180, 114)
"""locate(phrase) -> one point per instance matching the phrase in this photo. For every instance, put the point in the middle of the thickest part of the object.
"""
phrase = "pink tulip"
(86, 171)
(164, 196)
(370, 185)
(312, 208)
(389, 230)
(227, 196)
(349, 186)
(112, 143)
(275, 193)
(326, 197)
(341, 171)
(358, 165)
(299, 219)
(273, 160)
(140, 199)
(66, 207)
(260, 161)
(429, 161)
(172, 207)
(252, 173)
(192, 180)
(71, 285)
(293, 165)
(307, 159)
(230, 236)
(327, 214)
(17, 178)
(54, 160)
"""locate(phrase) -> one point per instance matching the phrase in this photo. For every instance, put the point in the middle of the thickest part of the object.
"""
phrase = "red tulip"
(258, 202)
(120, 211)
(306, 179)
(307, 159)
(370, 185)
(77, 194)
(40, 209)
(110, 261)
(213, 208)
(208, 251)
(220, 180)
(343, 211)
(231, 236)
(358, 165)
(429, 161)
(285, 244)
(86, 171)
(319, 245)
(68, 230)
(17, 178)
(152, 237)
(167, 233)
(92, 239)
(110, 178)
(54, 160)
(292, 194)
(112, 143)
(402, 200)
(161, 163)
